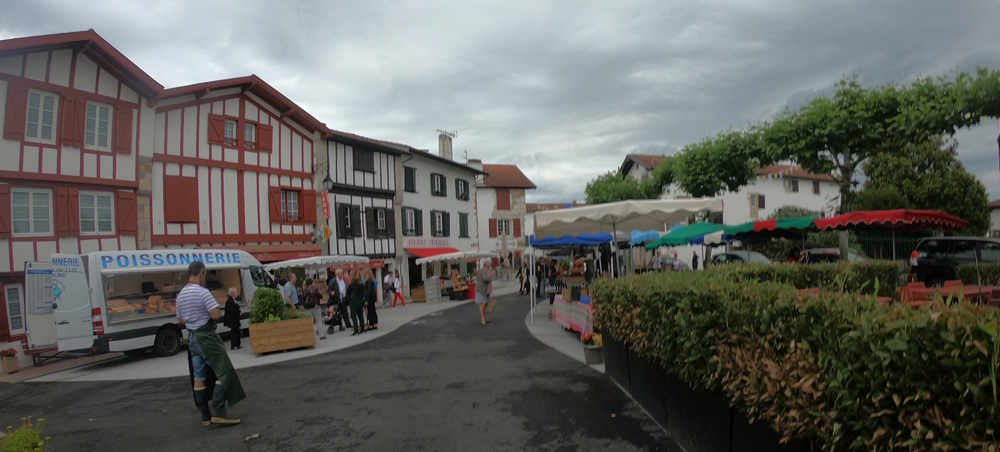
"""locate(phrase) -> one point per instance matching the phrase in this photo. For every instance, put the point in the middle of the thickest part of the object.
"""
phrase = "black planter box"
(699, 420)
(616, 361)
(646, 382)
(759, 436)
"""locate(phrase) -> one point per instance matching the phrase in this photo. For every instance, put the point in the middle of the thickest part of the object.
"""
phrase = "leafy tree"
(614, 186)
(836, 135)
(883, 198)
(792, 212)
(929, 176)
(611, 187)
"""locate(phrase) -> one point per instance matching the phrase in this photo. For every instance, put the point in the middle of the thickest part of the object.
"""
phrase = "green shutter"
(433, 190)
(409, 179)
(458, 188)
(419, 220)
(463, 225)
(447, 224)
(444, 185)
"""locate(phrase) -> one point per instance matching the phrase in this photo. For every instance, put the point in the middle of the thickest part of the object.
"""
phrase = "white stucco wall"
(994, 220)
(736, 205)
(424, 201)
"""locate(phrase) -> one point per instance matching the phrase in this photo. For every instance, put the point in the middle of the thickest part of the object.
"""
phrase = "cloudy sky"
(562, 89)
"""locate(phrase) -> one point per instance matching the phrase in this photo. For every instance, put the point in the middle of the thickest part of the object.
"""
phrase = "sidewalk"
(150, 366)
(57, 366)
(552, 334)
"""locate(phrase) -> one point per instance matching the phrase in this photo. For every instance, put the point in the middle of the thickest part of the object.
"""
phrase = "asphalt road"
(441, 383)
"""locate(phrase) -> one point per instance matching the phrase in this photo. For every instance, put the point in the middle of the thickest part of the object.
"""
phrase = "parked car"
(824, 255)
(731, 257)
(935, 258)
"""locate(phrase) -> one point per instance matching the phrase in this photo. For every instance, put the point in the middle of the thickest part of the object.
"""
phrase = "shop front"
(442, 273)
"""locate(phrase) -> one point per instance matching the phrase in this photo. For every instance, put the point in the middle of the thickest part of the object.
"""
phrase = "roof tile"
(505, 176)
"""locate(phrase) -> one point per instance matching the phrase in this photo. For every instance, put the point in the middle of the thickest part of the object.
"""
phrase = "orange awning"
(428, 252)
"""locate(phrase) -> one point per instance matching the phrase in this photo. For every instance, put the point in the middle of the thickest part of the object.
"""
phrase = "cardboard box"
(117, 303)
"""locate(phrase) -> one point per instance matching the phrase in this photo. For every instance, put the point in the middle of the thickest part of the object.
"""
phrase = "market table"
(573, 315)
(972, 294)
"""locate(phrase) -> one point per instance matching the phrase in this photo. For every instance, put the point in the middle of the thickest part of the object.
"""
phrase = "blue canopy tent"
(569, 241)
(639, 238)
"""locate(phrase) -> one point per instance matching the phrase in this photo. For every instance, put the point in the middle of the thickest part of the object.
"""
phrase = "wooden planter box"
(418, 295)
(283, 335)
(9, 364)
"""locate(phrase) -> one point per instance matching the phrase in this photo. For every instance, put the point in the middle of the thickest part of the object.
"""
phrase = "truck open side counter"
(124, 301)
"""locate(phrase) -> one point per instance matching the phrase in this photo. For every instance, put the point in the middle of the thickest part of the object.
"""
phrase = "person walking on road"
(483, 281)
(552, 273)
(213, 377)
(291, 292)
(398, 288)
(356, 297)
(371, 291)
(310, 302)
(387, 288)
(232, 319)
(339, 290)
(539, 277)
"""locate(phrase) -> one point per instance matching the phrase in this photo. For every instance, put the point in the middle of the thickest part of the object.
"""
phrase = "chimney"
(444, 146)
(476, 163)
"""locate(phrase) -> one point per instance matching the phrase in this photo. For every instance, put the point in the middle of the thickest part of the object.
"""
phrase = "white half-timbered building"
(362, 202)
(74, 112)
(232, 166)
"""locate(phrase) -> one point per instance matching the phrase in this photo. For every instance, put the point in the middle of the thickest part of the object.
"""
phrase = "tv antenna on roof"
(450, 134)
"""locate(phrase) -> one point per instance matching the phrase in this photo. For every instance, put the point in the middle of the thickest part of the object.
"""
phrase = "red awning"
(428, 252)
(275, 253)
(897, 220)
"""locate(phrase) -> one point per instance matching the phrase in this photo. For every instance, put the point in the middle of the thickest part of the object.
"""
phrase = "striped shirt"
(193, 304)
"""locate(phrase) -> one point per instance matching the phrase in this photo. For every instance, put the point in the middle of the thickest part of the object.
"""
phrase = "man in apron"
(213, 377)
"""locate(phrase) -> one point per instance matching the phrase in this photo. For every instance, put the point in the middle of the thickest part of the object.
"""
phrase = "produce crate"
(282, 335)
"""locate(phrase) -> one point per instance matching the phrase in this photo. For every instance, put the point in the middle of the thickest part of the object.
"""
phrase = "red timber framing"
(281, 130)
(76, 68)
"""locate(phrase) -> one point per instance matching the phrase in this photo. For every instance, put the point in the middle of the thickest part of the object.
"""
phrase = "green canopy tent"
(684, 235)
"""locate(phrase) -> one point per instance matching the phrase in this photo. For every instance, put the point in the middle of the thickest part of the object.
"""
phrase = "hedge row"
(839, 371)
(986, 274)
(858, 277)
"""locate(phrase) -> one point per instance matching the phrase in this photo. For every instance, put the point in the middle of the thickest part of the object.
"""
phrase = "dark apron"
(220, 368)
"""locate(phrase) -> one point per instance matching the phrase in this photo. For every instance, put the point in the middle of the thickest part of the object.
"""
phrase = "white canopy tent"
(626, 215)
(459, 256)
(316, 263)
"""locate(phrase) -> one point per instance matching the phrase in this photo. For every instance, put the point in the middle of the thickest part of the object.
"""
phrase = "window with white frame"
(504, 227)
(96, 210)
(31, 212)
(15, 307)
(230, 138)
(411, 221)
(40, 122)
(791, 186)
(438, 223)
(380, 219)
(250, 136)
(289, 205)
(97, 131)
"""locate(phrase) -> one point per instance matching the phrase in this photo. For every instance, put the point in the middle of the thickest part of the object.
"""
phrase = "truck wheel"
(168, 342)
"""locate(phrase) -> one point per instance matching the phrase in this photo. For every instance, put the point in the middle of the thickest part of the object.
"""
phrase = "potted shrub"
(593, 351)
(275, 326)
(8, 359)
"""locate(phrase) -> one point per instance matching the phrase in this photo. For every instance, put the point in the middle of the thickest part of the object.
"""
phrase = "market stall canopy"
(316, 263)
(711, 239)
(684, 235)
(456, 256)
(428, 252)
(897, 220)
(626, 215)
(640, 238)
(570, 240)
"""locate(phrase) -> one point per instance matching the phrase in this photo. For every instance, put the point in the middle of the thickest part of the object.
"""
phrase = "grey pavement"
(442, 382)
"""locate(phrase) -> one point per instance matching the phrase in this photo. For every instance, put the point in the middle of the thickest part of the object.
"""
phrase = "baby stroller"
(332, 317)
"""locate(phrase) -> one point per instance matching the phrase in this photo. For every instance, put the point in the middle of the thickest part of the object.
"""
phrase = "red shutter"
(5, 212)
(17, 108)
(216, 129)
(4, 328)
(73, 211)
(503, 199)
(493, 227)
(180, 199)
(123, 135)
(274, 196)
(68, 120)
(264, 140)
(307, 206)
(517, 227)
(128, 219)
(80, 123)
(61, 212)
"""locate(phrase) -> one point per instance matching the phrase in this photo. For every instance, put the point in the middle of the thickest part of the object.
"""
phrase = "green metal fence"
(878, 247)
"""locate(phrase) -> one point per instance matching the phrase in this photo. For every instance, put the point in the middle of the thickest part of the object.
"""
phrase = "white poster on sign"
(38, 297)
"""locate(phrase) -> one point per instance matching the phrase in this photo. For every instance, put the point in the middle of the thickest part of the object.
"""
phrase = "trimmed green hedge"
(987, 274)
(839, 371)
(858, 277)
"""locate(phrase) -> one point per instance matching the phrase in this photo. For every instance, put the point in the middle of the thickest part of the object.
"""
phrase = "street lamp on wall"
(327, 182)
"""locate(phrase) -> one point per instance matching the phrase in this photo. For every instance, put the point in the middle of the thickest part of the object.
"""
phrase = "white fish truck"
(123, 301)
